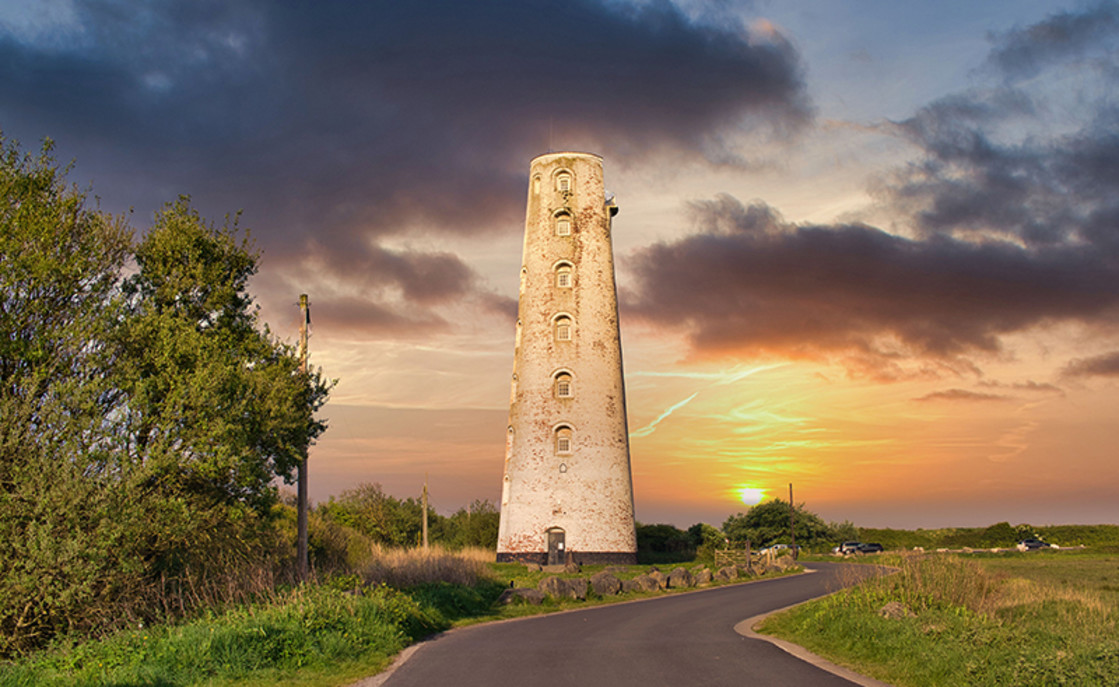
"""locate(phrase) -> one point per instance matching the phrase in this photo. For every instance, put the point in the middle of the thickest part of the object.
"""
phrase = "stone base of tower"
(579, 557)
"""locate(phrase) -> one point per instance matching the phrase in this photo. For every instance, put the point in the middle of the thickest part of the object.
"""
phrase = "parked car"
(870, 547)
(1030, 544)
(780, 549)
(847, 547)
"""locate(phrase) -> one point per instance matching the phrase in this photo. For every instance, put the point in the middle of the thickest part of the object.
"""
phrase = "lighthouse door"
(555, 546)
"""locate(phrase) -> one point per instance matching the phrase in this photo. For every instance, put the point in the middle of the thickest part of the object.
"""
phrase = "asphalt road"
(678, 640)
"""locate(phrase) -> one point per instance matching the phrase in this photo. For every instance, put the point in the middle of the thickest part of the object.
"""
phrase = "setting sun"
(751, 496)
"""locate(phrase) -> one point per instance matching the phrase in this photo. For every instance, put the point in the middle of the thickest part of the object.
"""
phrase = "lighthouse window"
(563, 440)
(563, 225)
(563, 386)
(563, 329)
(563, 276)
(563, 182)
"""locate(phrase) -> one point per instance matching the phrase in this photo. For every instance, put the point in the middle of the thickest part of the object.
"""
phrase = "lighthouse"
(567, 494)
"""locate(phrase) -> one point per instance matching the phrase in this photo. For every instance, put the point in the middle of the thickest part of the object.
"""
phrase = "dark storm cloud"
(1106, 365)
(362, 316)
(1023, 53)
(331, 119)
(1008, 227)
(749, 282)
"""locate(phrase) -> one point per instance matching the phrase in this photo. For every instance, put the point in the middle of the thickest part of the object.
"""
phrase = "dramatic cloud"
(959, 395)
(1001, 226)
(1024, 53)
(334, 124)
(1106, 365)
(749, 283)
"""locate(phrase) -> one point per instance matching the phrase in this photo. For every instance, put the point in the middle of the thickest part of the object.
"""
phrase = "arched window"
(563, 224)
(564, 386)
(563, 328)
(563, 441)
(563, 182)
(563, 275)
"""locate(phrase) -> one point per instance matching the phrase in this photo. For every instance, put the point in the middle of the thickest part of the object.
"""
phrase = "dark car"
(1030, 544)
(870, 547)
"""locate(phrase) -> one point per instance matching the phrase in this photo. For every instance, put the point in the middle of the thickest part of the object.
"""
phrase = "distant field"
(1037, 618)
(998, 535)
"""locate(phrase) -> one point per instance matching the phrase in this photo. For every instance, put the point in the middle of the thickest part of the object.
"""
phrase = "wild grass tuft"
(966, 622)
(407, 568)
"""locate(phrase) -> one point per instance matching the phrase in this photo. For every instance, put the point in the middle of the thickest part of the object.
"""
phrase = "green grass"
(1040, 618)
(309, 636)
(314, 636)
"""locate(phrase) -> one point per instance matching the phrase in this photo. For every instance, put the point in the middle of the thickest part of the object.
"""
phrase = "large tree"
(142, 420)
(217, 407)
(768, 523)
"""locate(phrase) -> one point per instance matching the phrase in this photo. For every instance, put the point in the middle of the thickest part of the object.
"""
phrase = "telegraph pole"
(792, 513)
(301, 546)
(425, 511)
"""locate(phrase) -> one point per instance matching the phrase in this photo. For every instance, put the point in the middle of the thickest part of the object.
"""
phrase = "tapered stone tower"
(567, 493)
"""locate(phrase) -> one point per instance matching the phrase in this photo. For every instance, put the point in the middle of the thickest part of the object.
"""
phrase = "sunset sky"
(867, 247)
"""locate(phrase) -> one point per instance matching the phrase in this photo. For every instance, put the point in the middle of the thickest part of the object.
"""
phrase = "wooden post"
(425, 511)
(301, 506)
(792, 531)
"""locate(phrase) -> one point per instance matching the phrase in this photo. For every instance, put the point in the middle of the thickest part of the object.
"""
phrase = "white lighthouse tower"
(567, 493)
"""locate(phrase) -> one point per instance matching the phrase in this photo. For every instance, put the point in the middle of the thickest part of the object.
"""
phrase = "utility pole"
(792, 513)
(425, 511)
(301, 545)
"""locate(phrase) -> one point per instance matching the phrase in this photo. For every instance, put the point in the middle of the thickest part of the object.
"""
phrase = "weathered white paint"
(587, 492)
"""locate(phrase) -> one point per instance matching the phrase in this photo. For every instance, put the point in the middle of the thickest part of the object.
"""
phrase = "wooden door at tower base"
(555, 546)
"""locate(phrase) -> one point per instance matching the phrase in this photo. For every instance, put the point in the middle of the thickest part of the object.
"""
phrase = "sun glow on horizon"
(751, 496)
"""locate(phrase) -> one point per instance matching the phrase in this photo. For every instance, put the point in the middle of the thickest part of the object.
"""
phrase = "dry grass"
(405, 568)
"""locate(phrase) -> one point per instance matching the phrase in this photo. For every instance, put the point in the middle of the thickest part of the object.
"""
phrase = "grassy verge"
(1011, 619)
(313, 636)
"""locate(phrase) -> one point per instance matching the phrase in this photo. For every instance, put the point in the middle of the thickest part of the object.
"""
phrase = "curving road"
(683, 639)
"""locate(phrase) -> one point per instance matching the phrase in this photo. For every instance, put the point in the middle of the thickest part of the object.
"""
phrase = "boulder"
(660, 578)
(784, 563)
(572, 568)
(533, 567)
(531, 596)
(564, 588)
(680, 578)
(704, 576)
(726, 574)
(605, 584)
(641, 583)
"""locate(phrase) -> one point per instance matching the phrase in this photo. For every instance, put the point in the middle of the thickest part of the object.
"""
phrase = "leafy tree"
(141, 421)
(59, 269)
(706, 539)
(383, 518)
(217, 408)
(473, 526)
(768, 523)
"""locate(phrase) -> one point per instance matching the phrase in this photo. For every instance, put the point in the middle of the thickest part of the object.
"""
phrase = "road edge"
(746, 629)
(401, 658)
